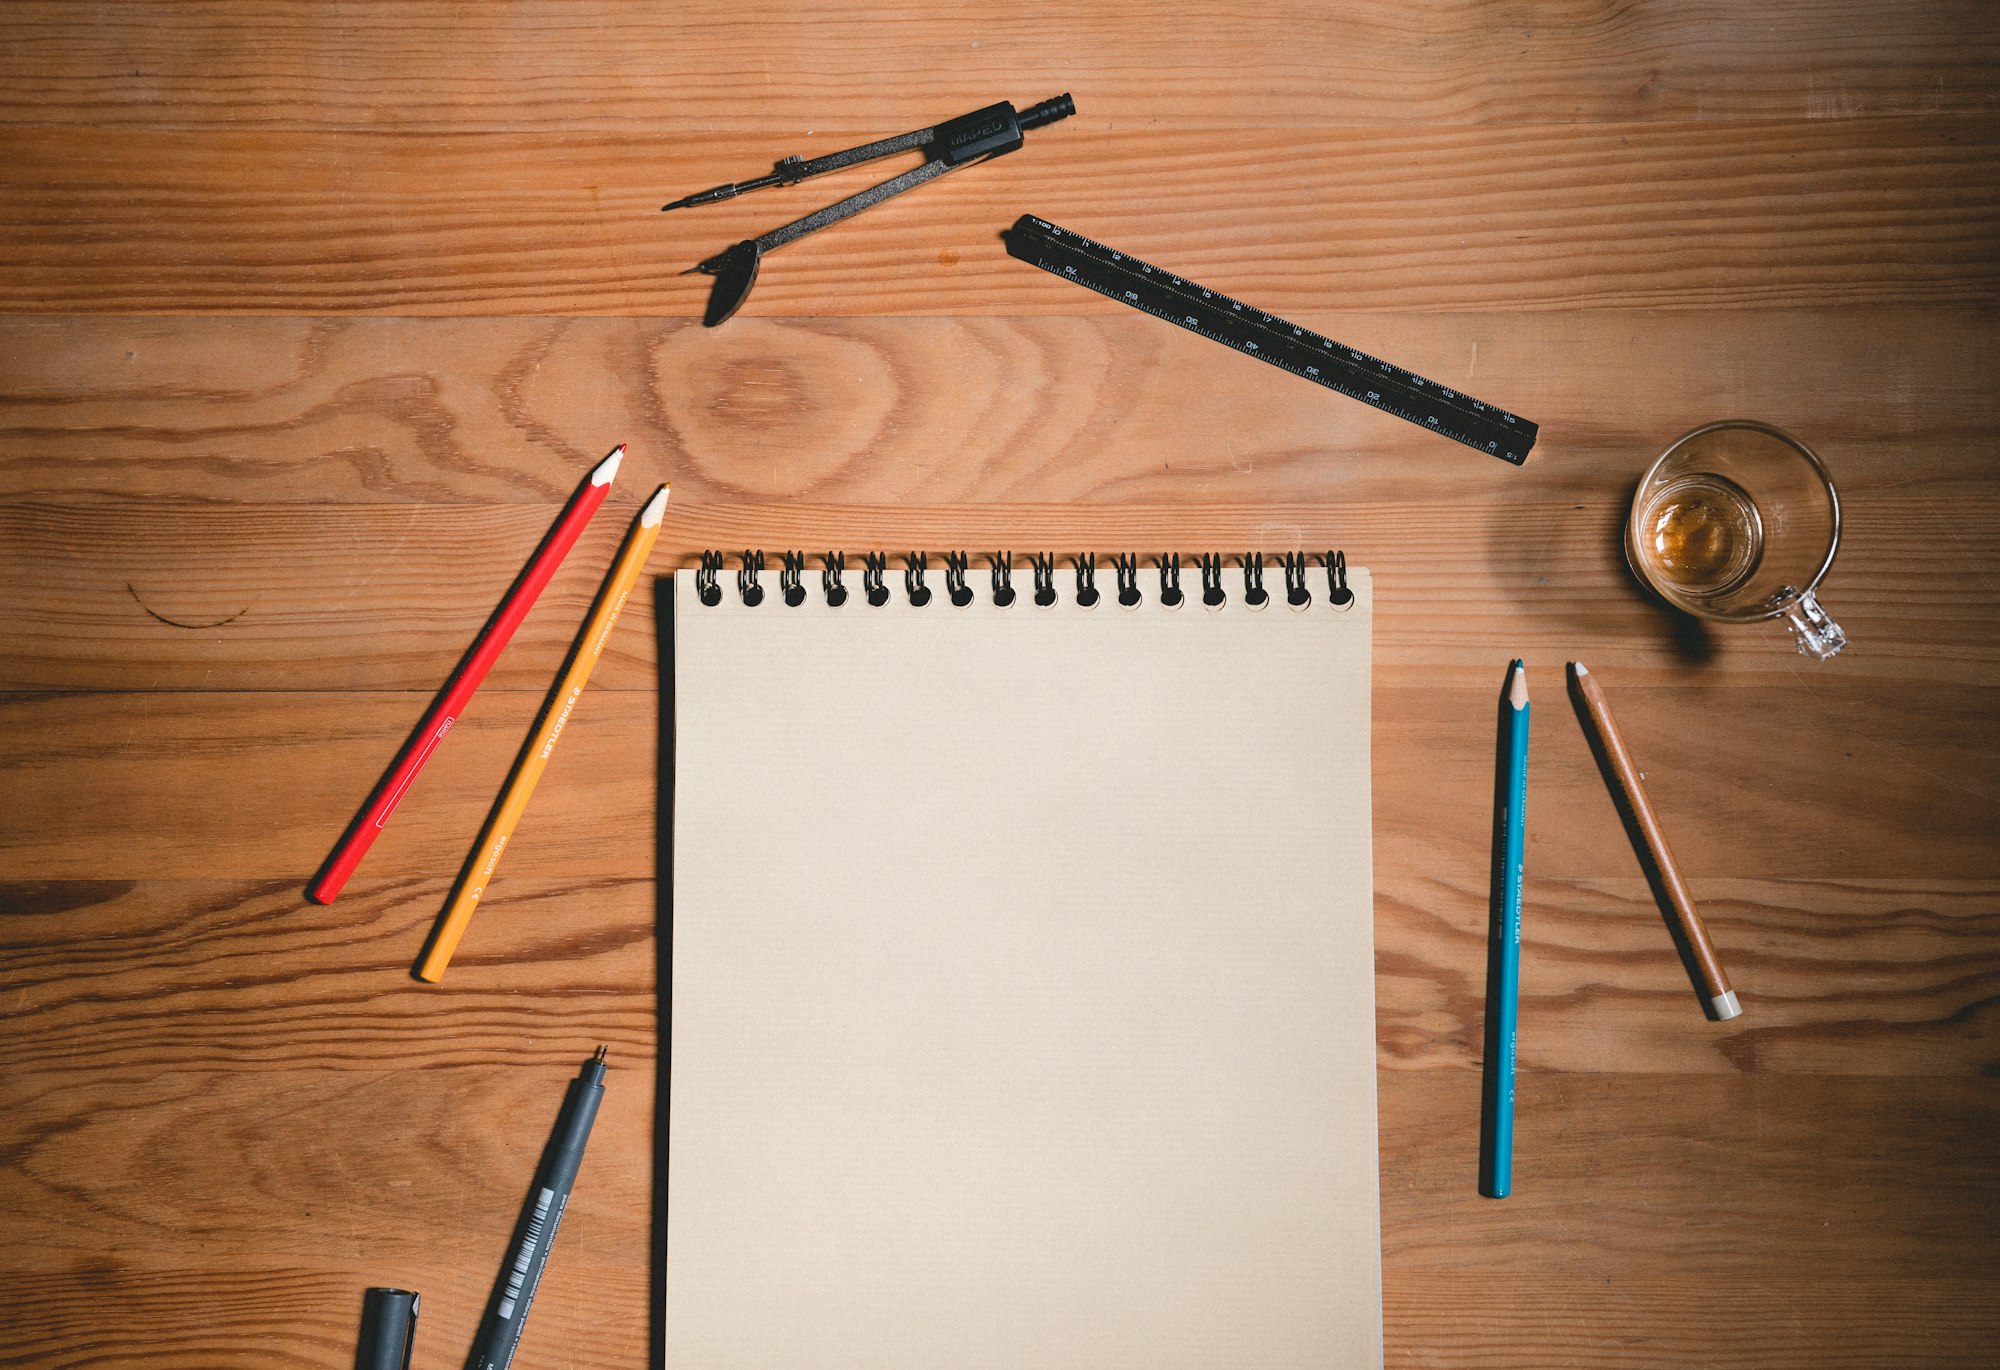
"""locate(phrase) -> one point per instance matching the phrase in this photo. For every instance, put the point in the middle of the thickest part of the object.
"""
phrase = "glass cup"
(1738, 521)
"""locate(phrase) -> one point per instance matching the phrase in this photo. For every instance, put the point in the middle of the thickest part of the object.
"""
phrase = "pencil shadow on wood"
(1688, 635)
(663, 961)
(1496, 919)
(1637, 836)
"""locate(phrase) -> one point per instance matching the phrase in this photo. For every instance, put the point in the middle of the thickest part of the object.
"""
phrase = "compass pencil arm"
(791, 170)
(974, 137)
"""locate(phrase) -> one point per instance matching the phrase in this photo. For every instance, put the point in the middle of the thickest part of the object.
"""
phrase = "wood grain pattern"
(190, 597)
(212, 1157)
(806, 418)
(857, 68)
(173, 970)
(1490, 217)
(226, 578)
(1603, 1319)
(313, 316)
(1927, 806)
(1581, 1264)
(1614, 1319)
(199, 959)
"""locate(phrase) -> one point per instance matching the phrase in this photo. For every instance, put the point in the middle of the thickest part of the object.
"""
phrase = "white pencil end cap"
(1725, 1006)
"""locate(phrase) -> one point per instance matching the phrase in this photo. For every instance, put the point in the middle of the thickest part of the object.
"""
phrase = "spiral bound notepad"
(1022, 1006)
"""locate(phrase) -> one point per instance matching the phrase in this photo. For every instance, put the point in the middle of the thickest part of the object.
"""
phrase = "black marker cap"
(388, 1329)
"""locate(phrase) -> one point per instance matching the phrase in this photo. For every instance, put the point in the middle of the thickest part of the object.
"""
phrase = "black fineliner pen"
(528, 1253)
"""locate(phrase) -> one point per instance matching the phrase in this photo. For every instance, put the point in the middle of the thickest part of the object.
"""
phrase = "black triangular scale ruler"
(1269, 338)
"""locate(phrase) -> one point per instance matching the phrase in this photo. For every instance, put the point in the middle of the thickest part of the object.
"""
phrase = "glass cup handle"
(1818, 636)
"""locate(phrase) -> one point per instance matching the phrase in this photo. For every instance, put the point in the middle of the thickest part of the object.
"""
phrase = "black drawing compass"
(969, 138)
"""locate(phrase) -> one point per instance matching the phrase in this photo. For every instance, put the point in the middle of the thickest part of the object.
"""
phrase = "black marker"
(528, 1253)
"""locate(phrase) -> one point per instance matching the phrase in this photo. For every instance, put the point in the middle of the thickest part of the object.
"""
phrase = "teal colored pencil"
(1503, 965)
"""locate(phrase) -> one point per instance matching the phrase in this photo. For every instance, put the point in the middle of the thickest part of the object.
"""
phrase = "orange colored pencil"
(1624, 777)
(541, 743)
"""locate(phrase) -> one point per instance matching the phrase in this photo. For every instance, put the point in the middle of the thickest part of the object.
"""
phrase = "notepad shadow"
(663, 967)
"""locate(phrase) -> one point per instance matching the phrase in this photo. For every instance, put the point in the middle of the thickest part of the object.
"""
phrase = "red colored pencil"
(458, 691)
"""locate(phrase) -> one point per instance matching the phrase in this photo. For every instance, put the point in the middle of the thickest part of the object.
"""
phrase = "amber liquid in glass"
(1702, 535)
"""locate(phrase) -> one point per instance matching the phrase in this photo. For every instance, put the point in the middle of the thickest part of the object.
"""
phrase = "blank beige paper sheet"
(1023, 986)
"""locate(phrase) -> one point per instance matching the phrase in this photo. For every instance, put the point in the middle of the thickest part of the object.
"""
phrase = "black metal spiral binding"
(1126, 564)
(1337, 593)
(1045, 578)
(954, 579)
(1296, 593)
(958, 569)
(746, 578)
(1211, 580)
(1086, 578)
(1253, 581)
(1003, 578)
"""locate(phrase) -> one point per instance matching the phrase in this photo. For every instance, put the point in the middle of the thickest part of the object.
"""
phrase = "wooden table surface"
(311, 317)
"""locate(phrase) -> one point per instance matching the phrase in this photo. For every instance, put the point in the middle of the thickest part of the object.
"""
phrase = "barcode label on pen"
(527, 1256)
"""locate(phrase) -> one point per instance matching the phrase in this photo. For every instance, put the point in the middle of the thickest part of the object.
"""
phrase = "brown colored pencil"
(1624, 777)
